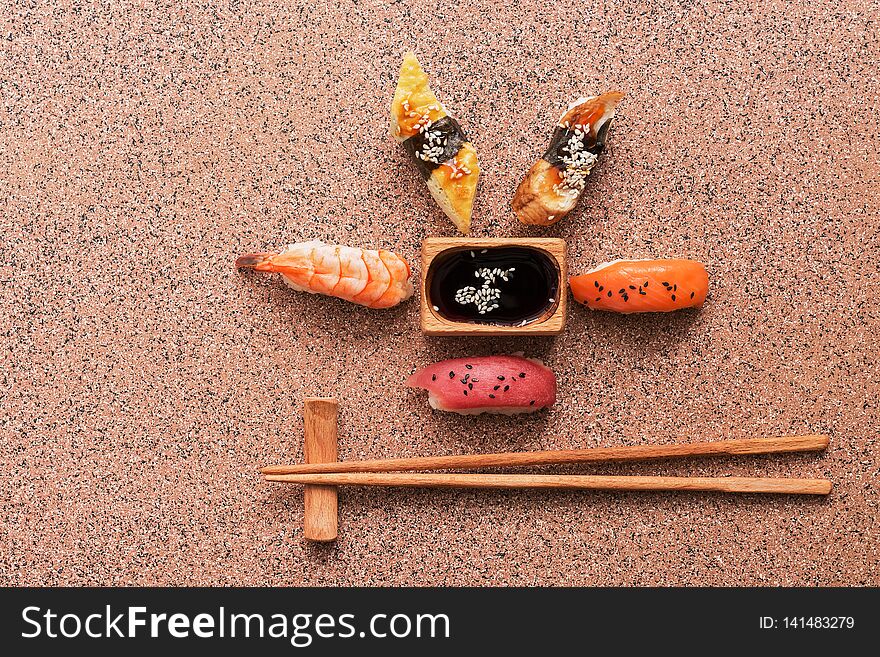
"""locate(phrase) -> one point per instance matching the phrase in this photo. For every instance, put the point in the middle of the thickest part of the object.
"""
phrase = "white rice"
(500, 410)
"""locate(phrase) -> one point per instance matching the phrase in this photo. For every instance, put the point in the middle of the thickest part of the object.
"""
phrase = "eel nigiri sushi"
(445, 158)
(487, 384)
(554, 184)
(377, 279)
(642, 286)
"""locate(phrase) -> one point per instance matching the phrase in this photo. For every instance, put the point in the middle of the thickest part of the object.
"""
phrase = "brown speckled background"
(144, 379)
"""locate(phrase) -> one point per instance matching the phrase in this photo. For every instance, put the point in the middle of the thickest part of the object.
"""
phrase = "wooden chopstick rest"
(320, 518)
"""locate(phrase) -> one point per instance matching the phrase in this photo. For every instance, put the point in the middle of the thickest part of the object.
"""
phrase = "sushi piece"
(554, 184)
(442, 153)
(642, 286)
(487, 384)
(376, 279)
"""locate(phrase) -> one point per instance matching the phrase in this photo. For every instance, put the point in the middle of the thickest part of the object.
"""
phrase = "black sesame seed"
(673, 297)
(452, 375)
(470, 367)
(609, 293)
(596, 283)
(646, 283)
(692, 295)
(465, 392)
(665, 283)
(496, 387)
(601, 287)
(475, 380)
(522, 375)
(470, 386)
(621, 290)
(501, 378)
(433, 377)
(491, 396)
(598, 298)
(532, 403)
(675, 287)
(506, 388)
(632, 287)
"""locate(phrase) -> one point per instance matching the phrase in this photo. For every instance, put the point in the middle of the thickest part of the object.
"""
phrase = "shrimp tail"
(258, 261)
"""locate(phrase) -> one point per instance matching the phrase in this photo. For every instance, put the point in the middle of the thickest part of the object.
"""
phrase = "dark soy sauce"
(527, 294)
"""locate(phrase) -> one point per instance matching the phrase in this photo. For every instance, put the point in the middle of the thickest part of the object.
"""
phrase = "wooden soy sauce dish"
(493, 286)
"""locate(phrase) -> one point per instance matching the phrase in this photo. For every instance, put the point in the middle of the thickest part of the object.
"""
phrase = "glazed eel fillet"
(554, 184)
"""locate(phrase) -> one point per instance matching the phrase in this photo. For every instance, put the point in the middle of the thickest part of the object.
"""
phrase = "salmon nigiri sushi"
(372, 278)
(642, 286)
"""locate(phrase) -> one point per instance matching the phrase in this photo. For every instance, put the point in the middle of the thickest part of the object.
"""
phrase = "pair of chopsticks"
(402, 472)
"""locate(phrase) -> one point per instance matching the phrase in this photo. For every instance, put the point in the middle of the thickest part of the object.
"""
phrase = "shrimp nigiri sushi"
(487, 384)
(642, 286)
(376, 279)
(554, 184)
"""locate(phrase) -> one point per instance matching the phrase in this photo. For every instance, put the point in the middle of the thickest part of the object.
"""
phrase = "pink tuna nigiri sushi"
(487, 384)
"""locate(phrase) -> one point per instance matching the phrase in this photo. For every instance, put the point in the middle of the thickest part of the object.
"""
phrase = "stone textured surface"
(144, 380)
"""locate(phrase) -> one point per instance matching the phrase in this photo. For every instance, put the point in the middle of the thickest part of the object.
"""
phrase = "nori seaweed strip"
(561, 136)
(448, 128)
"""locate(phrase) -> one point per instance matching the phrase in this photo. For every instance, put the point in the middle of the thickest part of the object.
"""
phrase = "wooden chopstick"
(550, 457)
(571, 482)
